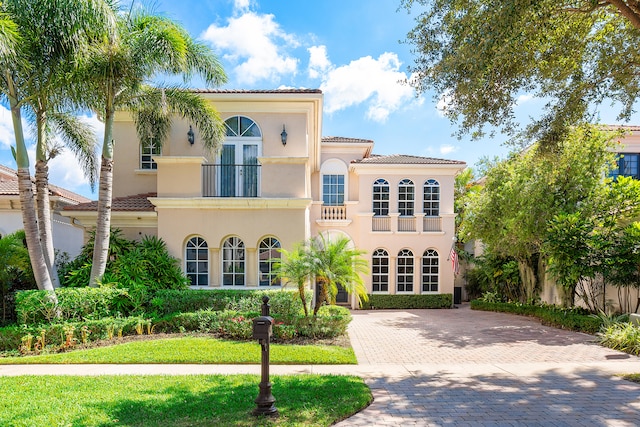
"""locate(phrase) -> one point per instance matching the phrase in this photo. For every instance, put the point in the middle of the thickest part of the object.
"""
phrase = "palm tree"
(295, 267)
(51, 34)
(141, 46)
(334, 262)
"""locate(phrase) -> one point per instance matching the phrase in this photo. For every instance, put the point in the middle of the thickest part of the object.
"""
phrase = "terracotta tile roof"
(9, 187)
(134, 203)
(631, 128)
(274, 91)
(341, 139)
(400, 159)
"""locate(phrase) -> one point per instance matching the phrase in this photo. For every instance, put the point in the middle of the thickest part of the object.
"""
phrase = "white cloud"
(447, 149)
(318, 61)
(524, 98)
(241, 4)
(256, 43)
(6, 129)
(375, 81)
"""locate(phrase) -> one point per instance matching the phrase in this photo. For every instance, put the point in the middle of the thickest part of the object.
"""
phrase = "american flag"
(455, 265)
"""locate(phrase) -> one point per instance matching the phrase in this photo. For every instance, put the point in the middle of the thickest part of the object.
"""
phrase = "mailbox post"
(262, 331)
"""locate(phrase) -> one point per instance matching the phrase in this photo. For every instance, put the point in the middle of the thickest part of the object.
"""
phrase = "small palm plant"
(294, 267)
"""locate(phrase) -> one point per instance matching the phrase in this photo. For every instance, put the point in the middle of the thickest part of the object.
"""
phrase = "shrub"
(378, 301)
(34, 307)
(621, 336)
(575, 319)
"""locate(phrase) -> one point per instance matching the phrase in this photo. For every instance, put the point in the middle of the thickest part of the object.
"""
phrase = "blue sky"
(350, 49)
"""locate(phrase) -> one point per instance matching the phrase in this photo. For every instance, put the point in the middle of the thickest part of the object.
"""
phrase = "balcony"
(230, 180)
(431, 223)
(406, 224)
(333, 213)
(381, 223)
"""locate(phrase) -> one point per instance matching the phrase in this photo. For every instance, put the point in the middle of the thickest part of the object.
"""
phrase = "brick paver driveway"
(470, 368)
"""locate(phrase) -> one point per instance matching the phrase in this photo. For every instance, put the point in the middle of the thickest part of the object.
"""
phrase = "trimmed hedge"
(379, 301)
(283, 302)
(575, 319)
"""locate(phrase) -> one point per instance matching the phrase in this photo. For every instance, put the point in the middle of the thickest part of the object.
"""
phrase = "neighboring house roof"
(136, 202)
(9, 187)
(342, 139)
(399, 159)
(622, 127)
(274, 91)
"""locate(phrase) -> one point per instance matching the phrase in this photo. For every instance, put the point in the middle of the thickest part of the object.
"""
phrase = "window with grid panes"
(381, 197)
(406, 197)
(404, 271)
(431, 198)
(380, 271)
(430, 271)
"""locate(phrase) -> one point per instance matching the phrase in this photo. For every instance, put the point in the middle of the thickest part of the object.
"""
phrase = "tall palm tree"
(295, 267)
(52, 33)
(334, 262)
(142, 46)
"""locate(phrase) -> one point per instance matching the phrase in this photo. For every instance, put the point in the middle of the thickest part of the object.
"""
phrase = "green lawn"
(196, 350)
(176, 401)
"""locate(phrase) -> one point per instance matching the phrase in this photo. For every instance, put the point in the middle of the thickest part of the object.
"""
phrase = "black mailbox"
(262, 328)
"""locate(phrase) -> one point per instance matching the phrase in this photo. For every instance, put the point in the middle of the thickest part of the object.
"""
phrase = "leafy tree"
(118, 71)
(588, 250)
(522, 194)
(14, 260)
(483, 55)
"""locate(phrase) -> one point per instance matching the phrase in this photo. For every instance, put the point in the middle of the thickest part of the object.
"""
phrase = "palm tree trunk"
(303, 299)
(27, 203)
(105, 192)
(44, 220)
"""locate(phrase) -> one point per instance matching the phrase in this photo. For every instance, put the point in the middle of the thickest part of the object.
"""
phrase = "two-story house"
(275, 183)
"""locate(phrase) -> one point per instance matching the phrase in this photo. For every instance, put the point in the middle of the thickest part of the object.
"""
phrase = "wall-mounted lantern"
(191, 136)
(283, 136)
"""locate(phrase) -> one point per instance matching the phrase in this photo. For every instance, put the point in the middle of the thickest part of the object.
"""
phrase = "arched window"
(381, 197)
(404, 271)
(197, 261)
(430, 270)
(233, 262)
(406, 196)
(268, 254)
(380, 271)
(239, 169)
(333, 174)
(431, 199)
